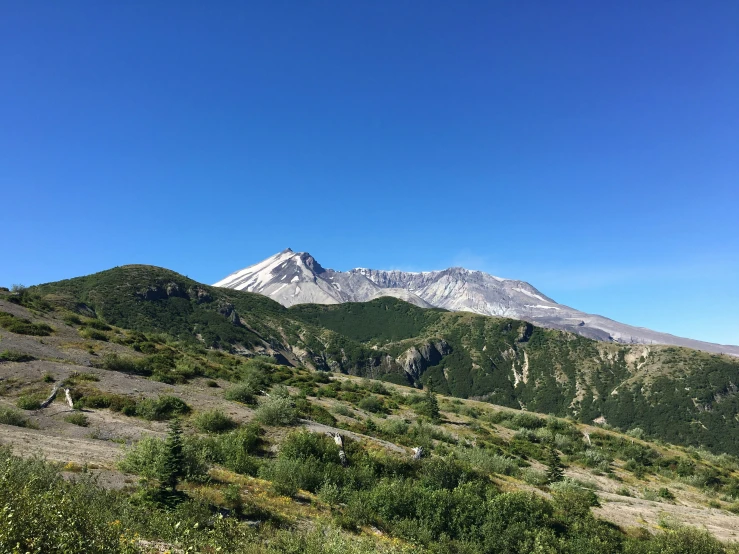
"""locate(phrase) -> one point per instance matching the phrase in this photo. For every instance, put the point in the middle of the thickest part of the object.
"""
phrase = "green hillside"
(672, 393)
(183, 441)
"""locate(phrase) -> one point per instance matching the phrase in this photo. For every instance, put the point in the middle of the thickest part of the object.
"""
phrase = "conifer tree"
(555, 470)
(431, 405)
(172, 466)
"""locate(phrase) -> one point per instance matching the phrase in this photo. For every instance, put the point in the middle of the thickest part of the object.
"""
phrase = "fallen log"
(50, 399)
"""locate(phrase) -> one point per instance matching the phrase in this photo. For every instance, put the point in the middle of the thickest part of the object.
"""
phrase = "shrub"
(371, 404)
(77, 418)
(525, 420)
(487, 461)
(235, 449)
(72, 319)
(8, 416)
(114, 362)
(278, 411)
(115, 402)
(214, 421)
(534, 477)
(14, 356)
(43, 512)
(148, 458)
(163, 408)
(342, 410)
(97, 325)
(244, 393)
(23, 326)
(28, 403)
(395, 427)
(93, 335)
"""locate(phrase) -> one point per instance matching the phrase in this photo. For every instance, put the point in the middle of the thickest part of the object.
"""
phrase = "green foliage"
(384, 319)
(28, 402)
(23, 326)
(93, 334)
(555, 471)
(305, 461)
(155, 459)
(77, 418)
(9, 416)
(429, 407)
(277, 411)
(162, 408)
(214, 421)
(245, 393)
(371, 404)
(43, 513)
(235, 450)
(14, 356)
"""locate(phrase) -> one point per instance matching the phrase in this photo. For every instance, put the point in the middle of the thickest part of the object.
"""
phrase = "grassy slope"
(673, 393)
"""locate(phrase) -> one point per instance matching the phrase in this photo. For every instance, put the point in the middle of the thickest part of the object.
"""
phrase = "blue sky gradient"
(589, 148)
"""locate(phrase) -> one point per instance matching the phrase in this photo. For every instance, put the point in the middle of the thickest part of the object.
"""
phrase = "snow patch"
(528, 293)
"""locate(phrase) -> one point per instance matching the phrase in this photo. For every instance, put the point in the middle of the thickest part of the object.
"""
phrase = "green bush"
(372, 404)
(8, 416)
(277, 411)
(244, 393)
(14, 356)
(72, 319)
(487, 461)
(115, 402)
(148, 458)
(214, 421)
(28, 403)
(163, 408)
(114, 362)
(23, 326)
(236, 449)
(77, 418)
(97, 325)
(44, 513)
(342, 410)
(93, 335)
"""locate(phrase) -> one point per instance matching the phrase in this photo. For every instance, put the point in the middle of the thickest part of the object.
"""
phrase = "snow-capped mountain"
(297, 278)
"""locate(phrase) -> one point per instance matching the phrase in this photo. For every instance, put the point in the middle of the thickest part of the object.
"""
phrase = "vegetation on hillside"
(248, 467)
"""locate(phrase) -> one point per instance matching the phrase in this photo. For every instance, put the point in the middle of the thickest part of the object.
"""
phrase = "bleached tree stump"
(69, 398)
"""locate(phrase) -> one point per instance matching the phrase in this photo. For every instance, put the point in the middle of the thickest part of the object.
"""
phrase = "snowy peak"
(297, 278)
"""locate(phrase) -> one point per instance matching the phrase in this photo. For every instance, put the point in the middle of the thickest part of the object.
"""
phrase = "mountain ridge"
(298, 278)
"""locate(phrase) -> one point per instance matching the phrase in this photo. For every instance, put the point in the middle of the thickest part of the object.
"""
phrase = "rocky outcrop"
(162, 292)
(200, 295)
(416, 360)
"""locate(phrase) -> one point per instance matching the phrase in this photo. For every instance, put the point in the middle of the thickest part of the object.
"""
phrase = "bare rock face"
(297, 278)
(416, 360)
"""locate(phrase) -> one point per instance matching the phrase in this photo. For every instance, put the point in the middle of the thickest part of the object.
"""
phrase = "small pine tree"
(555, 471)
(431, 405)
(172, 467)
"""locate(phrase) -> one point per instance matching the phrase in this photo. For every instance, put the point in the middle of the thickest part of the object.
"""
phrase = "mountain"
(677, 394)
(297, 278)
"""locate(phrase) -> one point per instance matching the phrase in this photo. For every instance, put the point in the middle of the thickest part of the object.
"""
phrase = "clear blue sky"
(590, 148)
